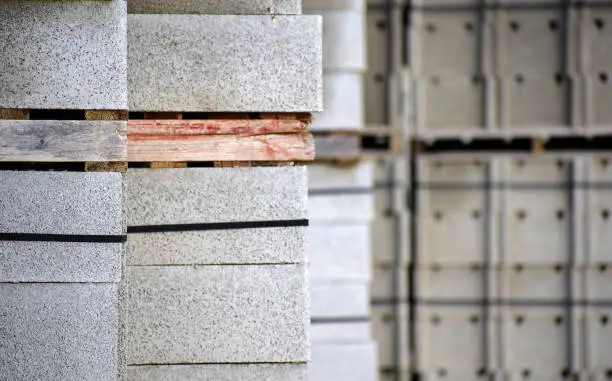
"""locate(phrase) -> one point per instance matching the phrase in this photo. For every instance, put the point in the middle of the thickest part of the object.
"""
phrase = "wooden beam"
(62, 141)
(172, 128)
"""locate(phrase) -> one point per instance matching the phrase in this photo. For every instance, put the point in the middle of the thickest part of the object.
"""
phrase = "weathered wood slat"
(171, 128)
(269, 147)
(62, 141)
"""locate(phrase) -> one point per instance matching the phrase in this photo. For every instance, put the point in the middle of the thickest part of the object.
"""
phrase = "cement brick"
(205, 195)
(63, 55)
(340, 332)
(343, 362)
(61, 203)
(217, 314)
(332, 300)
(217, 372)
(344, 34)
(340, 252)
(60, 261)
(58, 331)
(321, 176)
(225, 63)
(341, 208)
(241, 246)
(247, 7)
(343, 100)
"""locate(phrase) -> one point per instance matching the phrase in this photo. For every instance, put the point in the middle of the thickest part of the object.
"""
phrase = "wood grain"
(62, 141)
(14, 113)
(163, 129)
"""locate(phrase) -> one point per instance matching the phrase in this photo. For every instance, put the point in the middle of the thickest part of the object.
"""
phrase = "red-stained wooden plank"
(169, 128)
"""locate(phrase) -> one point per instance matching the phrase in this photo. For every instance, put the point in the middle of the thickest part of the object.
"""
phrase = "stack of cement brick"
(341, 207)
(62, 233)
(217, 286)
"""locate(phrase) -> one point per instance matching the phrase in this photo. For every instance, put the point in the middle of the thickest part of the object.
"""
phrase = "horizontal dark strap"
(217, 226)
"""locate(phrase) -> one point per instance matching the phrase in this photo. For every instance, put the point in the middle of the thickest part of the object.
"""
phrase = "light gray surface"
(339, 299)
(240, 246)
(217, 314)
(341, 208)
(216, 372)
(58, 332)
(225, 63)
(343, 362)
(339, 251)
(322, 176)
(248, 7)
(203, 195)
(63, 54)
(61, 202)
(340, 332)
(343, 100)
(60, 261)
(319, 5)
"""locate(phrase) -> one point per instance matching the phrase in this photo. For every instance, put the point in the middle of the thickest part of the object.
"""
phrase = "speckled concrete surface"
(225, 63)
(343, 362)
(60, 261)
(216, 372)
(63, 54)
(206, 195)
(58, 331)
(61, 203)
(340, 299)
(228, 7)
(217, 314)
(240, 246)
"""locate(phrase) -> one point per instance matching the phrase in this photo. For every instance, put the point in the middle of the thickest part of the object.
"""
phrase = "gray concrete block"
(343, 103)
(217, 372)
(217, 314)
(58, 332)
(341, 208)
(340, 332)
(340, 252)
(344, 39)
(61, 203)
(321, 176)
(63, 55)
(204, 195)
(225, 63)
(321, 5)
(340, 299)
(24, 261)
(241, 246)
(343, 362)
(228, 7)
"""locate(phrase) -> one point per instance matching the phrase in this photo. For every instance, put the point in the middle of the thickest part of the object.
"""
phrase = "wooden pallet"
(171, 140)
(94, 138)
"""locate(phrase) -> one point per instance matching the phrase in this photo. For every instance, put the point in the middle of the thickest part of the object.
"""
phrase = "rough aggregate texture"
(58, 331)
(63, 54)
(217, 314)
(216, 372)
(247, 7)
(225, 63)
(61, 203)
(240, 246)
(206, 195)
(60, 261)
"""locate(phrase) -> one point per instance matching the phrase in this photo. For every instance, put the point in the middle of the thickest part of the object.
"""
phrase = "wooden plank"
(167, 164)
(174, 128)
(106, 114)
(270, 147)
(14, 113)
(109, 166)
(231, 164)
(62, 141)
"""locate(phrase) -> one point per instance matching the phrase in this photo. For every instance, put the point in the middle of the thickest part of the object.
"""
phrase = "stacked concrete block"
(216, 274)
(344, 62)
(62, 233)
(341, 207)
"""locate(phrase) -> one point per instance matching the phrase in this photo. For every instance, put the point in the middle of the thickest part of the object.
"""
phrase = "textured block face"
(240, 246)
(60, 261)
(216, 372)
(217, 314)
(58, 332)
(63, 55)
(350, 362)
(246, 7)
(226, 63)
(71, 203)
(339, 300)
(206, 195)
